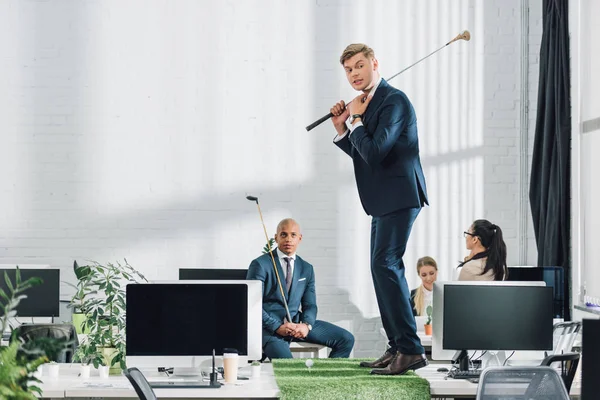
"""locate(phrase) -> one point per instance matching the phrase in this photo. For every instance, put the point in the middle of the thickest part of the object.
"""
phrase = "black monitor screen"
(497, 317)
(590, 384)
(211, 274)
(186, 319)
(554, 278)
(42, 300)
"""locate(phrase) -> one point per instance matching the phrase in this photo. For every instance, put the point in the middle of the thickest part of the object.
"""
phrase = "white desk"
(441, 386)
(68, 385)
(425, 340)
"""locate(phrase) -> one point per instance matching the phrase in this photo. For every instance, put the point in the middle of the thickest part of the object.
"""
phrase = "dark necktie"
(288, 273)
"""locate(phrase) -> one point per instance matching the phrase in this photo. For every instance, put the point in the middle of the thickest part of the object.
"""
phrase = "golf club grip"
(319, 122)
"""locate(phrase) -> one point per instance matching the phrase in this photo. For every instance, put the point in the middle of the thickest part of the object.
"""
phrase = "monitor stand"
(462, 358)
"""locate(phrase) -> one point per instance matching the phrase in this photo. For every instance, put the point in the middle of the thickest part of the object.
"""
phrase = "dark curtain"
(549, 190)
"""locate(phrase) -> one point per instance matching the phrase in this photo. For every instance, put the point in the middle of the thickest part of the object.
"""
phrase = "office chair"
(531, 383)
(30, 332)
(140, 384)
(564, 335)
(568, 366)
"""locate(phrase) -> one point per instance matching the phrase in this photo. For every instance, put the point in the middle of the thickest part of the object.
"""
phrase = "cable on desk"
(507, 358)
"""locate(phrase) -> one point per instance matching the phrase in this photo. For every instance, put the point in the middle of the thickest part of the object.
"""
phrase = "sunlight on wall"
(195, 124)
(14, 171)
(354, 266)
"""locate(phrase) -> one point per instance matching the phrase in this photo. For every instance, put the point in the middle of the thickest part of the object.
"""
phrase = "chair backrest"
(565, 334)
(566, 364)
(29, 332)
(531, 383)
(140, 384)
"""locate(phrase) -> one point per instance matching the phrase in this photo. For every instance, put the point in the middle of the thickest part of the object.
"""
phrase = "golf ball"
(309, 363)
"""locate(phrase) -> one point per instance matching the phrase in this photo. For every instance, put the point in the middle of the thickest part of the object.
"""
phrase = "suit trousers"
(325, 333)
(389, 235)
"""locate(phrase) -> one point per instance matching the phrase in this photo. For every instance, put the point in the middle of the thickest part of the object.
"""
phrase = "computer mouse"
(442, 369)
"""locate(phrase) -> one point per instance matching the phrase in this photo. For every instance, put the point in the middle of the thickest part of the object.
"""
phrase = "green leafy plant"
(255, 363)
(16, 372)
(16, 377)
(270, 245)
(104, 305)
(429, 311)
(83, 288)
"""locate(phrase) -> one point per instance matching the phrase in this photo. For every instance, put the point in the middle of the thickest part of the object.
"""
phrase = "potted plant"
(82, 290)
(104, 305)
(17, 373)
(269, 246)
(429, 311)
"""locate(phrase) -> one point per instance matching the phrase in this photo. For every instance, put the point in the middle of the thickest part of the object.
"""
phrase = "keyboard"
(470, 374)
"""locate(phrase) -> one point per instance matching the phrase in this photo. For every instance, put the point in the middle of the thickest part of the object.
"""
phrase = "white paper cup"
(255, 371)
(103, 371)
(84, 371)
(230, 367)
(53, 370)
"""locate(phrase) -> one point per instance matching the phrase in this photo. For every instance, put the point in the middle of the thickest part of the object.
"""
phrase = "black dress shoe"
(402, 363)
(381, 362)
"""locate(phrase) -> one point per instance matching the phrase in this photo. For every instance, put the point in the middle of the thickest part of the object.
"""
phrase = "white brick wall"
(135, 129)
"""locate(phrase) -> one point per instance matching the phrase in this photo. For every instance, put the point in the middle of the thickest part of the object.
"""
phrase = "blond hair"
(419, 296)
(355, 48)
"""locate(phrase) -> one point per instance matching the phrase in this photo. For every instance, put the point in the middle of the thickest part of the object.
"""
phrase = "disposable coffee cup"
(84, 371)
(53, 370)
(230, 367)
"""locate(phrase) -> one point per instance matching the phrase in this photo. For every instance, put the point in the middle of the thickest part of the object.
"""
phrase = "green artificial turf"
(342, 378)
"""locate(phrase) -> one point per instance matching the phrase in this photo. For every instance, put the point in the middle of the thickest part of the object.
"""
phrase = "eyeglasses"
(468, 233)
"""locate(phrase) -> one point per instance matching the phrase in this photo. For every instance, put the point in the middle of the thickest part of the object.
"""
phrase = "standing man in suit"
(298, 281)
(382, 141)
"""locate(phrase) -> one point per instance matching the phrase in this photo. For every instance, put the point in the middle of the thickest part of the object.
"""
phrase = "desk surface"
(441, 386)
(71, 386)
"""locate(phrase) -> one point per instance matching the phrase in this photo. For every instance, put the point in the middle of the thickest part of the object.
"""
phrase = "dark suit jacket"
(302, 292)
(385, 151)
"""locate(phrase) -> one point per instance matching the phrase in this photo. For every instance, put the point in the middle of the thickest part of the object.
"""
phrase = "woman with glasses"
(487, 258)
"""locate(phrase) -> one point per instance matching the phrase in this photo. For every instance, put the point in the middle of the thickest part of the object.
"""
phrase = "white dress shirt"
(281, 255)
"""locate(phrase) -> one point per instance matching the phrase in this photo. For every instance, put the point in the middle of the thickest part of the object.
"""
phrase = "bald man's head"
(288, 236)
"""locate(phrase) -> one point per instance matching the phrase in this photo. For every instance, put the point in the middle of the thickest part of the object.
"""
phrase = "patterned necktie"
(288, 273)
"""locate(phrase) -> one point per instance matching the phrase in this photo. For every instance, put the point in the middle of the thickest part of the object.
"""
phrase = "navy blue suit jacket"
(385, 151)
(302, 292)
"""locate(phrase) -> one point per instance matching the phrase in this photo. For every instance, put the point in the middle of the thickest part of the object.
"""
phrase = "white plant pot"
(84, 371)
(255, 371)
(53, 370)
(103, 371)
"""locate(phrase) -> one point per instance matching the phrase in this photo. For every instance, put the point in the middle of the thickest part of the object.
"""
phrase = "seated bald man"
(298, 282)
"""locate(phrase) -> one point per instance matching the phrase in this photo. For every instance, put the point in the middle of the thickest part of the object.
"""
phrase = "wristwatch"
(355, 116)
(309, 326)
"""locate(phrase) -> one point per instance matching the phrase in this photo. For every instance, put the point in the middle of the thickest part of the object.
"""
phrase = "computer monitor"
(178, 324)
(438, 351)
(496, 318)
(554, 278)
(590, 384)
(42, 300)
(211, 274)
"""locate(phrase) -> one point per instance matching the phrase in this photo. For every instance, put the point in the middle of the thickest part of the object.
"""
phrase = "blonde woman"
(422, 296)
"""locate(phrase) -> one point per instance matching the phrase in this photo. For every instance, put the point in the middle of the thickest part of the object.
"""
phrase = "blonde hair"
(355, 48)
(419, 296)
